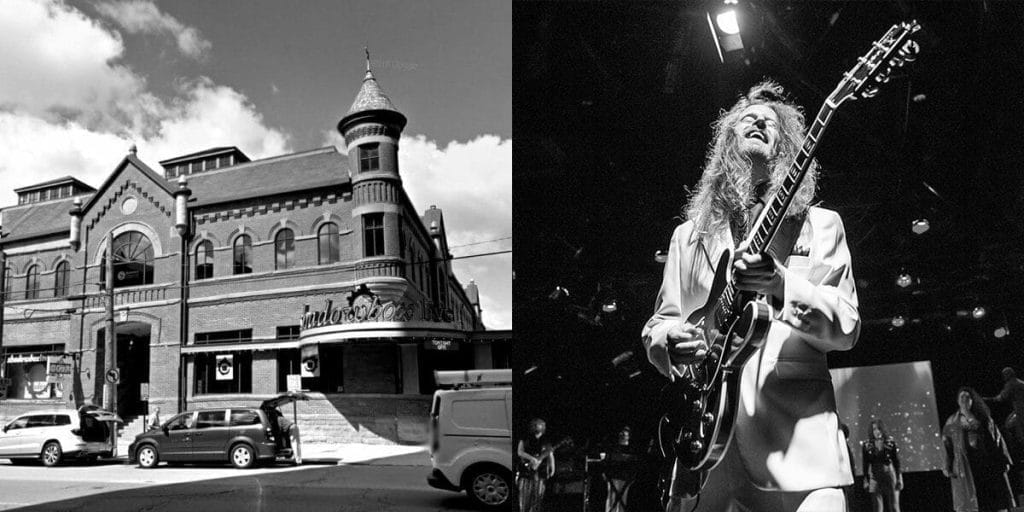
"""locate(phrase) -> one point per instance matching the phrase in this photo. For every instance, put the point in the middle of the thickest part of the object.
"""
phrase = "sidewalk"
(350, 453)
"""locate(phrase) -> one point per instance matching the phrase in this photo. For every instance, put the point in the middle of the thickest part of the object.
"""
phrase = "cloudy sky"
(82, 81)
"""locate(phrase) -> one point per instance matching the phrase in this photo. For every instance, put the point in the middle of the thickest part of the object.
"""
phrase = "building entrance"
(133, 361)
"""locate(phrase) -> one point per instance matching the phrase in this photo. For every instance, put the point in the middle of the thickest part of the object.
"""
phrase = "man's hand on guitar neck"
(757, 273)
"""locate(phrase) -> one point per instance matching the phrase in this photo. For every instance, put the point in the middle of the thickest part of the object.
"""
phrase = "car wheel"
(147, 456)
(51, 454)
(242, 456)
(490, 487)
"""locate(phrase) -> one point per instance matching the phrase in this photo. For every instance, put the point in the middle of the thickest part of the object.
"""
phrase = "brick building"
(231, 275)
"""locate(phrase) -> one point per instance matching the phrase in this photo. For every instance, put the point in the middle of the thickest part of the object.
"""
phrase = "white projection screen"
(903, 397)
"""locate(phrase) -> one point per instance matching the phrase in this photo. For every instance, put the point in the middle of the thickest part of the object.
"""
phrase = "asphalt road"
(113, 488)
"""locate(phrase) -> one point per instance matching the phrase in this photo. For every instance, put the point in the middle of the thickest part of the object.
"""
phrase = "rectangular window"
(288, 332)
(369, 157)
(211, 419)
(330, 379)
(225, 161)
(197, 167)
(217, 376)
(208, 338)
(373, 234)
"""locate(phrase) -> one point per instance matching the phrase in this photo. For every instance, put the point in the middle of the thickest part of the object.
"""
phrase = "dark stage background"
(613, 106)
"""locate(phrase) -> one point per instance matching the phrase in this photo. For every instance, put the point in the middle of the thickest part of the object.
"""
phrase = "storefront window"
(24, 375)
(331, 370)
(371, 368)
(223, 372)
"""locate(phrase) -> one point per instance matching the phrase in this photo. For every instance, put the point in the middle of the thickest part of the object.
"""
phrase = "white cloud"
(68, 106)
(471, 183)
(143, 17)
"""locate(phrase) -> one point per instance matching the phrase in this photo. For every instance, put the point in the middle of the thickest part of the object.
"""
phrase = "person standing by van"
(537, 464)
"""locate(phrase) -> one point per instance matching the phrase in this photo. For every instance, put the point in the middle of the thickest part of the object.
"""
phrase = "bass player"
(786, 439)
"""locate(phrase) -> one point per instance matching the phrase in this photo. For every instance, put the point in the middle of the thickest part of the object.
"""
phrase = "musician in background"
(538, 464)
(620, 471)
(786, 436)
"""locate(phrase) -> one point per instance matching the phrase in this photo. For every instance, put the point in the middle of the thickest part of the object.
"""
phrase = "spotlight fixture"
(899, 321)
(1001, 332)
(979, 312)
(904, 279)
(920, 226)
(661, 256)
(725, 27)
(610, 306)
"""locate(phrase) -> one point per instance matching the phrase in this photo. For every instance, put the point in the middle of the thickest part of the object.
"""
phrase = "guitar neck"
(774, 213)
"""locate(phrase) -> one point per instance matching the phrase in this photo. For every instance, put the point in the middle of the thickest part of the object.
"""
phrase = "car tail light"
(270, 434)
(76, 431)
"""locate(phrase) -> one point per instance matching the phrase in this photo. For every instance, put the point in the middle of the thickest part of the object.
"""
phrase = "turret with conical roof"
(372, 128)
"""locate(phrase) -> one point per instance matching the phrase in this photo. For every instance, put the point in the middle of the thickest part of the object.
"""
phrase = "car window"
(62, 419)
(244, 417)
(180, 422)
(18, 423)
(45, 420)
(210, 419)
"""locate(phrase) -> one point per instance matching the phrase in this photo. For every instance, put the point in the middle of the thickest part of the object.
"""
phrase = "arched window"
(329, 244)
(133, 260)
(60, 279)
(204, 260)
(284, 249)
(243, 255)
(32, 282)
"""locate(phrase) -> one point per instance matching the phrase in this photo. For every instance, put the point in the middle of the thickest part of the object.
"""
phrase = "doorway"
(133, 361)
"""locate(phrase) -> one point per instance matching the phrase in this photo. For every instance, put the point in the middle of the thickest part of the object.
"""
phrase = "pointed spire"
(370, 96)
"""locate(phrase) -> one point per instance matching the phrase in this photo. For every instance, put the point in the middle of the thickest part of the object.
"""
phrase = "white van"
(55, 435)
(471, 436)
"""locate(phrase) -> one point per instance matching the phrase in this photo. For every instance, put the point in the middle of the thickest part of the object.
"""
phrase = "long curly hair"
(881, 427)
(978, 407)
(725, 190)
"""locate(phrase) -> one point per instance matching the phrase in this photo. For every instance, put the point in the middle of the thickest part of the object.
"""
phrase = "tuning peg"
(869, 92)
(909, 51)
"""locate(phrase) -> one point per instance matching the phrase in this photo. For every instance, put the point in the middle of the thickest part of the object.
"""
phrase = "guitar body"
(696, 428)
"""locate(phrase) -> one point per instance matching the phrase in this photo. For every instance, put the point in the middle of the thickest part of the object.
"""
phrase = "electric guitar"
(528, 469)
(700, 408)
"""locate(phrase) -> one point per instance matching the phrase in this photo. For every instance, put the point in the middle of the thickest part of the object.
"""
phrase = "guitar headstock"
(895, 49)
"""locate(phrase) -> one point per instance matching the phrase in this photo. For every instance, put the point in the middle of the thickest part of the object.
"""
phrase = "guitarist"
(537, 464)
(786, 439)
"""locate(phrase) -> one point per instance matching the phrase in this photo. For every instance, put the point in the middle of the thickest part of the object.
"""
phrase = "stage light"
(622, 358)
(530, 370)
(904, 280)
(899, 321)
(979, 312)
(610, 306)
(558, 293)
(1001, 331)
(920, 226)
(726, 31)
(661, 256)
(727, 22)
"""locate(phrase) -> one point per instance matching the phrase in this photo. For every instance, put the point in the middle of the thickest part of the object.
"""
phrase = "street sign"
(113, 376)
(294, 382)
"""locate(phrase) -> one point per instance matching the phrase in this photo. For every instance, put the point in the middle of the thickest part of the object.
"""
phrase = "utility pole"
(110, 343)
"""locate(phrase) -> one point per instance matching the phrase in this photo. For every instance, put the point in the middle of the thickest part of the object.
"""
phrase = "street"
(116, 487)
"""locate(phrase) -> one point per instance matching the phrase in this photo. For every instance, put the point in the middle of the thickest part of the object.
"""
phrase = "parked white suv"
(471, 437)
(55, 435)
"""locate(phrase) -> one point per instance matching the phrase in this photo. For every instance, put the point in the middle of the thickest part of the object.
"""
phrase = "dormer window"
(369, 157)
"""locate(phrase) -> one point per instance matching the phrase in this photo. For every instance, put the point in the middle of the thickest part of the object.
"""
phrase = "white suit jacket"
(787, 430)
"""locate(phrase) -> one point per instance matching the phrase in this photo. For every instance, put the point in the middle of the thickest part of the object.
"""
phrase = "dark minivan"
(240, 435)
